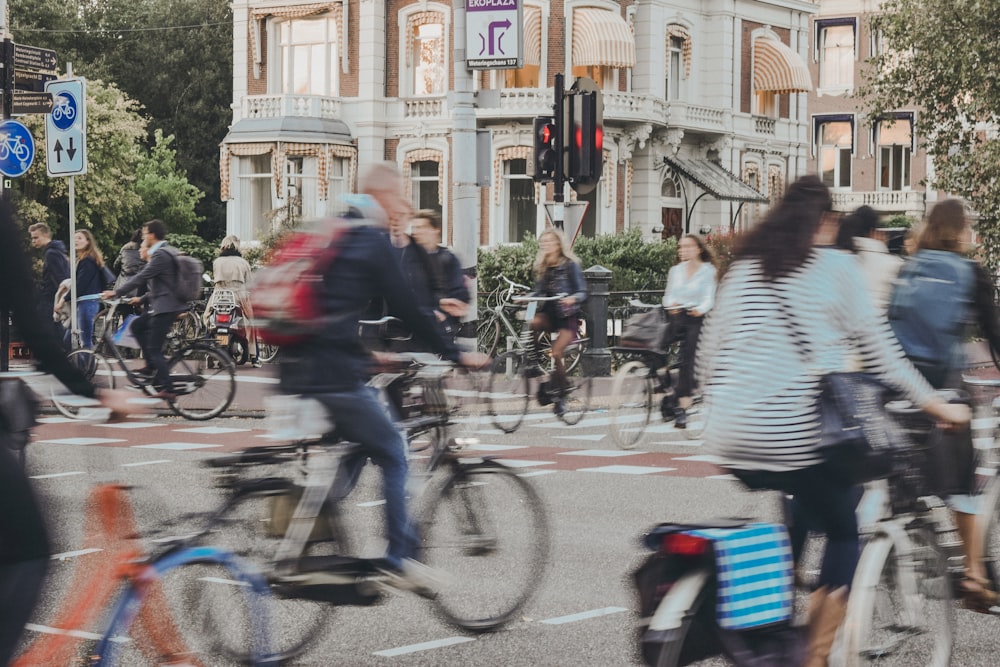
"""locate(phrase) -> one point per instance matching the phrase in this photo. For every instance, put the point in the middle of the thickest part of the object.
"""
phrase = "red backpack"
(287, 294)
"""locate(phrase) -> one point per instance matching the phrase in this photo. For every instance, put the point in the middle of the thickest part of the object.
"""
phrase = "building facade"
(705, 109)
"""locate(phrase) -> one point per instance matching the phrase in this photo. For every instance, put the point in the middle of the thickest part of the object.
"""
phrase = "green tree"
(943, 55)
(164, 189)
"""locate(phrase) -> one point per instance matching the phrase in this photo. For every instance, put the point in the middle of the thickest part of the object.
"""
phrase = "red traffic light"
(546, 134)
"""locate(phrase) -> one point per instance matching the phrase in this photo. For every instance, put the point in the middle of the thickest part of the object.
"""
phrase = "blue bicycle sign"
(65, 111)
(17, 148)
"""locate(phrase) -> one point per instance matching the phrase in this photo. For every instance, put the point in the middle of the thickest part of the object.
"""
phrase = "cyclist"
(24, 543)
(453, 296)
(557, 271)
(333, 366)
(231, 272)
(151, 328)
(760, 386)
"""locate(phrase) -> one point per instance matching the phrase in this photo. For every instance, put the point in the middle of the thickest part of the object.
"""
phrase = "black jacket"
(55, 269)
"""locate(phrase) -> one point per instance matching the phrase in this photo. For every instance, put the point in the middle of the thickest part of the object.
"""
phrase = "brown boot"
(826, 613)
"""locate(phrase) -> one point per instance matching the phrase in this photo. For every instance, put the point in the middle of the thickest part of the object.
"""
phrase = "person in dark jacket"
(89, 284)
(24, 542)
(55, 269)
(130, 262)
(151, 328)
(333, 366)
(452, 295)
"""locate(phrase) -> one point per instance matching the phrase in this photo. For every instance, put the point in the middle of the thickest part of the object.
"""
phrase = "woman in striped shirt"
(786, 314)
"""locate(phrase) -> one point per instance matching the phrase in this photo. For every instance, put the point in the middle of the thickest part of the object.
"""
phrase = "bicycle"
(509, 386)
(498, 321)
(203, 377)
(291, 519)
(645, 374)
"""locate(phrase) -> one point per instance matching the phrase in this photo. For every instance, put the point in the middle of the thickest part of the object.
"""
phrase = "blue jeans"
(86, 311)
(361, 418)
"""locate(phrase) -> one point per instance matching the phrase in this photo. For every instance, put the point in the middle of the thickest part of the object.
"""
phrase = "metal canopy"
(715, 180)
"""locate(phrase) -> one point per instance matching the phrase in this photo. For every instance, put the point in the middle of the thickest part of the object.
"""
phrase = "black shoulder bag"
(18, 407)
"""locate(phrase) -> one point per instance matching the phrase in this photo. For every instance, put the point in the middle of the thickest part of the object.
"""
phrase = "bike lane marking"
(423, 646)
(583, 615)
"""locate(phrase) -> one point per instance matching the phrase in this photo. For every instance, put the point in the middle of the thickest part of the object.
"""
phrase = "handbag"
(644, 330)
(18, 408)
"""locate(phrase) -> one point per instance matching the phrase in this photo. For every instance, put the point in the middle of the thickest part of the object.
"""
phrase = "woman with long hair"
(689, 295)
(230, 271)
(786, 314)
(89, 284)
(557, 272)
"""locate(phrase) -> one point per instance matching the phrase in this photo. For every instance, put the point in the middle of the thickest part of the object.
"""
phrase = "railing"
(764, 125)
(881, 200)
(277, 106)
(423, 107)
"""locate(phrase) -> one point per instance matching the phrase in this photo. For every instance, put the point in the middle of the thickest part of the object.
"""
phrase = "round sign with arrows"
(17, 148)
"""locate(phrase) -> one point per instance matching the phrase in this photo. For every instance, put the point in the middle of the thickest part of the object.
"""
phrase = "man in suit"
(152, 327)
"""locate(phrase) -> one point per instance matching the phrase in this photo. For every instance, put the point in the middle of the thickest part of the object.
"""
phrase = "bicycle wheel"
(185, 329)
(900, 610)
(163, 617)
(266, 352)
(204, 378)
(632, 404)
(488, 535)
(96, 369)
(488, 335)
(575, 399)
(571, 355)
(507, 391)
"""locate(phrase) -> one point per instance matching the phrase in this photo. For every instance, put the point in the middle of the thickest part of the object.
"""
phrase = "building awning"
(778, 69)
(601, 37)
(289, 128)
(715, 179)
(532, 36)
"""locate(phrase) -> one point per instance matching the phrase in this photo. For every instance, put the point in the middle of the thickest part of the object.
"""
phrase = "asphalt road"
(599, 501)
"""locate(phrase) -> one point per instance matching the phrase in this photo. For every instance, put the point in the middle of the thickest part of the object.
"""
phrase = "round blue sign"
(17, 148)
(64, 112)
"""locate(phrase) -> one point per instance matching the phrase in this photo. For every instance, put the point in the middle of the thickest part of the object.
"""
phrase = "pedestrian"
(55, 269)
(453, 296)
(879, 267)
(688, 297)
(91, 280)
(787, 313)
(230, 271)
(163, 305)
(24, 542)
(129, 261)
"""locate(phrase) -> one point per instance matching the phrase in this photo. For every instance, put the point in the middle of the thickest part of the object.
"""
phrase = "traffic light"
(544, 163)
(586, 139)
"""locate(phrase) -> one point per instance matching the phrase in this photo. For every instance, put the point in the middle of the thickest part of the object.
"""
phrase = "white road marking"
(59, 474)
(73, 554)
(604, 453)
(80, 634)
(707, 458)
(176, 446)
(81, 441)
(627, 470)
(211, 430)
(145, 463)
(595, 437)
(220, 580)
(728, 478)
(494, 448)
(583, 615)
(55, 420)
(371, 503)
(131, 425)
(520, 463)
(424, 646)
(536, 473)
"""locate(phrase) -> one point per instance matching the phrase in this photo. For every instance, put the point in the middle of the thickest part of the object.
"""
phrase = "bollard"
(597, 358)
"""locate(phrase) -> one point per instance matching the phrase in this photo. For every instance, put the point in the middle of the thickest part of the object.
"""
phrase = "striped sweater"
(760, 387)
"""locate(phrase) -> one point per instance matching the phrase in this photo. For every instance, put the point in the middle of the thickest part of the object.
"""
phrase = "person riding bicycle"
(230, 271)
(151, 328)
(333, 366)
(24, 542)
(760, 386)
(557, 272)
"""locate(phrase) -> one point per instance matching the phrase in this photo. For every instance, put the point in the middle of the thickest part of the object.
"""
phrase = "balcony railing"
(882, 200)
(764, 125)
(277, 106)
(423, 107)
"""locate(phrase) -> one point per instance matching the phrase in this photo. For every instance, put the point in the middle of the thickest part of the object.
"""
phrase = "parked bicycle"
(508, 391)
(483, 526)
(504, 324)
(203, 377)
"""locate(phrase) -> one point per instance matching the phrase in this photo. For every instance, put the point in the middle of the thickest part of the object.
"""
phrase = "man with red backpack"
(332, 364)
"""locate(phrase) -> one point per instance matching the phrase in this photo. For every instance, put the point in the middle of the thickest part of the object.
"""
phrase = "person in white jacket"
(879, 267)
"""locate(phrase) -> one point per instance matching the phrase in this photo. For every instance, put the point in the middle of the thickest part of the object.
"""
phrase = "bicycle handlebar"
(512, 284)
(539, 298)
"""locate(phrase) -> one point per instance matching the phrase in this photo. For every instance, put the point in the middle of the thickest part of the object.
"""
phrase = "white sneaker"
(415, 577)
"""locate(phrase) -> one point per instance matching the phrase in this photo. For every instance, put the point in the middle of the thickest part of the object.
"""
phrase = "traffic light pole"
(8, 98)
(559, 173)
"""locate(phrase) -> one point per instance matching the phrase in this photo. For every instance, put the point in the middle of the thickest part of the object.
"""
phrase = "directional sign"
(494, 34)
(33, 81)
(34, 58)
(66, 128)
(25, 103)
(17, 148)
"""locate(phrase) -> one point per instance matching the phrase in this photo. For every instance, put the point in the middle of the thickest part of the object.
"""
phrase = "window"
(836, 56)
(675, 63)
(836, 141)
(255, 195)
(427, 59)
(337, 178)
(308, 51)
(294, 195)
(895, 143)
(765, 103)
(424, 185)
(605, 77)
(522, 212)
(526, 77)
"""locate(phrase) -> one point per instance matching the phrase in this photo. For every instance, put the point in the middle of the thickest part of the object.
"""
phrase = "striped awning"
(532, 36)
(601, 37)
(778, 69)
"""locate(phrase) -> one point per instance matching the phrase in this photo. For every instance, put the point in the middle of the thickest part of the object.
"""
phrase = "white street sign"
(66, 128)
(494, 34)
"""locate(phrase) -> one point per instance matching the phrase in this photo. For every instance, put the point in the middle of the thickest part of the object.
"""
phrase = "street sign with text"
(34, 58)
(494, 34)
(32, 81)
(28, 102)
(66, 128)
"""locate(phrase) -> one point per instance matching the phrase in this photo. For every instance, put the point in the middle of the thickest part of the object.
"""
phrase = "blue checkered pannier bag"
(754, 570)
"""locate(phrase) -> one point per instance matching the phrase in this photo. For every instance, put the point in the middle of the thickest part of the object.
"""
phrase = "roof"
(715, 179)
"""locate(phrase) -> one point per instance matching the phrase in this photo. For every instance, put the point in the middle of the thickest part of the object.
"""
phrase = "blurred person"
(24, 542)
(162, 305)
(334, 366)
(231, 271)
(760, 386)
(688, 297)
(129, 262)
(453, 296)
(90, 282)
(879, 267)
(55, 269)
(416, 265)
(557, 271)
